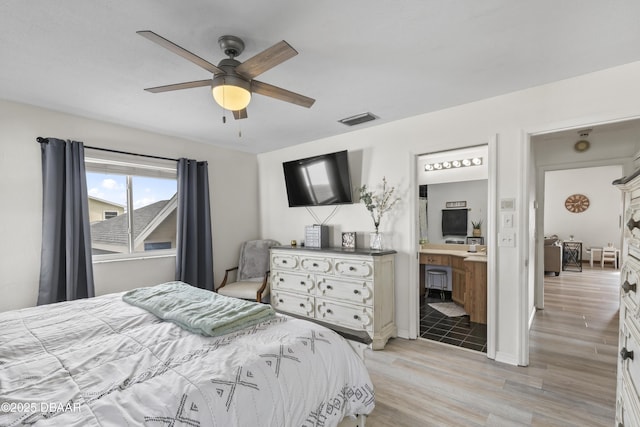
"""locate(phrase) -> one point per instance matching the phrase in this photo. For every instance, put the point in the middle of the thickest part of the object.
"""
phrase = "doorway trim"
(491, 239)
(535, 199)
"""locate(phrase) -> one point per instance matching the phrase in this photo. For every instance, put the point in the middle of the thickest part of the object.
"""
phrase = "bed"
(104, 362)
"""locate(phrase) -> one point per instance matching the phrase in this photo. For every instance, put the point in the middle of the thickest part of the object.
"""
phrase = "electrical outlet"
(507, 240)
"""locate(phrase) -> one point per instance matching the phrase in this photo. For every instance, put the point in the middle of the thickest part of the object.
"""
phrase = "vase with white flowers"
(378, 203)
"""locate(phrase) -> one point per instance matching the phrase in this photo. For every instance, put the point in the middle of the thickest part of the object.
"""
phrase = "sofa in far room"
(552, 255)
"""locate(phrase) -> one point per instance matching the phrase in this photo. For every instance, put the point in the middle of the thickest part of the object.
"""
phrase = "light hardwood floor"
(570, 380)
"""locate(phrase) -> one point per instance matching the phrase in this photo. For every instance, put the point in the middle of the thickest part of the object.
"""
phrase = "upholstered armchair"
(552, 255)
(252, 273)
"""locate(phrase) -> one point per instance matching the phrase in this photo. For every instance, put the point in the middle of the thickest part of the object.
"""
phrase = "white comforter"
(103, 362)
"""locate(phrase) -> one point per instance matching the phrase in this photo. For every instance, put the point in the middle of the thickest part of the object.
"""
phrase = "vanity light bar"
(475, 161)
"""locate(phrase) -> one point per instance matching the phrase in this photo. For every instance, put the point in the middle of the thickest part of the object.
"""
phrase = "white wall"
(389, 149)
(475, 193)
(600, 223)
(233, 185)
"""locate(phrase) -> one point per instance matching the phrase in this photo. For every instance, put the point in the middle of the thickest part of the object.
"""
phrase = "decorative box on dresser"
(628, 385)
(349, 289)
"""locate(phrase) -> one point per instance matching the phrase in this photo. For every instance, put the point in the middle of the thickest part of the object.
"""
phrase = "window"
(138, 202)
(152, 246)
(109, 214)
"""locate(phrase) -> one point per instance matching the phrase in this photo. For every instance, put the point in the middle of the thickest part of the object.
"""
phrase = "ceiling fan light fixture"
(230, 92)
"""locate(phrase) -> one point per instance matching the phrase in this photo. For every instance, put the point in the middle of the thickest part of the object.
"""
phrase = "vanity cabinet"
(468, 278)
(475, 299)
(628, 372)
(350, 289)
(459, 280)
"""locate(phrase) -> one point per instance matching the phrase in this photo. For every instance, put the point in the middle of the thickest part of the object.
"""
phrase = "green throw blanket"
(198, 310)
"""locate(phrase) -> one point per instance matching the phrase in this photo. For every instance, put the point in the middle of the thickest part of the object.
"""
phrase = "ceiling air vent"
(357, 119)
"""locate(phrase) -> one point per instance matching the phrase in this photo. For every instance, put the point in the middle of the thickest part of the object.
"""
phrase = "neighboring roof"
(113, 231)
(97, 199)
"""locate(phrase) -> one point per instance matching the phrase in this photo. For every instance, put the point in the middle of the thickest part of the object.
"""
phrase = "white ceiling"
(393, 58)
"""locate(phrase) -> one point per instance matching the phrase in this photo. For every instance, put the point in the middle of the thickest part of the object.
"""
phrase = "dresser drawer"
(434, 259)
(316, 265)
(357, 291)
(627, 414)
(296, 282)
(629, 274)
(354, 268)
(284, 261)
(630, 349)
(292, 303)
(354, 317)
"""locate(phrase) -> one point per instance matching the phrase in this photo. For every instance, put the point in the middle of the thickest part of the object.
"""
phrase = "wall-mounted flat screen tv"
(319, 180)
(454, 222)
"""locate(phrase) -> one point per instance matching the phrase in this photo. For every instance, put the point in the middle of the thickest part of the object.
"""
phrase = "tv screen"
(454, 222)
(319, 180)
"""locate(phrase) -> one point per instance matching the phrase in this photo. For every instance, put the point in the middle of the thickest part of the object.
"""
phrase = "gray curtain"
(194, 249)
(66, 272)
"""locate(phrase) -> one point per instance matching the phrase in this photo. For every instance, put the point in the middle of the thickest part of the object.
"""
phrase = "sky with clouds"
(145, 190)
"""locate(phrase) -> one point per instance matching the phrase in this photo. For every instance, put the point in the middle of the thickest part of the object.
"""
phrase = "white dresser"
(628, 387)
(352, 289)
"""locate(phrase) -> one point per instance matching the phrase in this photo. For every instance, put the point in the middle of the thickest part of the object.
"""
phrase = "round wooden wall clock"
(577, 203)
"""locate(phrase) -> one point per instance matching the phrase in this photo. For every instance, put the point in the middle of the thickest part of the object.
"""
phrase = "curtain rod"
(45, 140)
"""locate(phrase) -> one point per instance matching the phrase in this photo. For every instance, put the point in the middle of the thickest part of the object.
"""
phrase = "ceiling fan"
(233, 81)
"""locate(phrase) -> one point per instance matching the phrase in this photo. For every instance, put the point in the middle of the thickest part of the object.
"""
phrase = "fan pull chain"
(224, 116)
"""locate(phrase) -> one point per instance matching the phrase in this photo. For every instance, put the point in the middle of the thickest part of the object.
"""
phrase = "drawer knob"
(633, 224)
(330, 287)
(302, 305)
(315, 264)
(281, 301)
(282, 279)
(284, 261)
(626, 287)
(302, 283)
(352, 268)
(355, 316)
(626, 354)
(329, 311)
(357, 292)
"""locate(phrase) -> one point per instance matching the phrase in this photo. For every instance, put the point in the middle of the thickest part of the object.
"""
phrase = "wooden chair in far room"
(609, 254)
(252, 272)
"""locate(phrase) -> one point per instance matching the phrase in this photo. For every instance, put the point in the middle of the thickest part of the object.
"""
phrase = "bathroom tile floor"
(457, 331)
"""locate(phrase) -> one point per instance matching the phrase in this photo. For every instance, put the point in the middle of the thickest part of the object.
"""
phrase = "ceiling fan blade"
(178, 86)
(265, 60)
(281, 94)
(180, 51)
(240, 114)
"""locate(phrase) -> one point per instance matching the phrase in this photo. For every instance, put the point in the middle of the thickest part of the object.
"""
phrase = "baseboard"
(404, 333)
(506, 358)
(531, 317)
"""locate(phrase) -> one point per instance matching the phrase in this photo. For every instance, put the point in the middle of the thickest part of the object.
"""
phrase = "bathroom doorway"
(453, 198)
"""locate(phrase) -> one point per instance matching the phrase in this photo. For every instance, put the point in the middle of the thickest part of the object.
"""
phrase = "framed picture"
(475, 240)
(349, 239)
